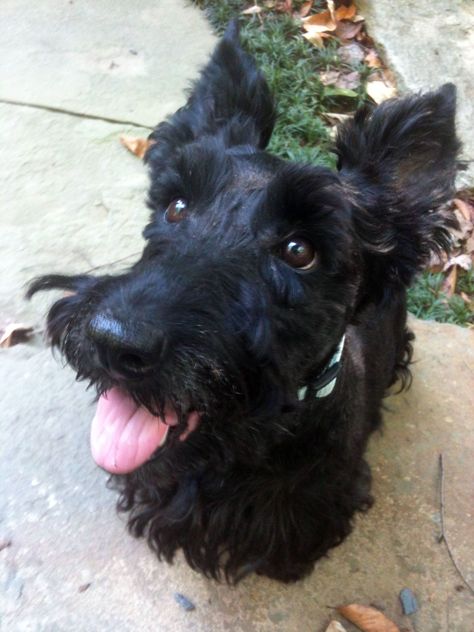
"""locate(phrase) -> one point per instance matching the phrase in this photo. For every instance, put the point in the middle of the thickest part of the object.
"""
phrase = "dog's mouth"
(125, 435)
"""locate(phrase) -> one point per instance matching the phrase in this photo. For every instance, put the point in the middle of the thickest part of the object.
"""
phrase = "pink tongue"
(125, 435)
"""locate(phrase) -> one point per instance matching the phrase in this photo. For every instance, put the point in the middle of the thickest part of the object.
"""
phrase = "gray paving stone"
(128, 61)
(428, 43)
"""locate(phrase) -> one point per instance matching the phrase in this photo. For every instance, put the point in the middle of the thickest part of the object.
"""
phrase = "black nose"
(124, 349)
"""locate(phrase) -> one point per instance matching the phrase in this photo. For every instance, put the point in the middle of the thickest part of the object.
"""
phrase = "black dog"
(242, 361)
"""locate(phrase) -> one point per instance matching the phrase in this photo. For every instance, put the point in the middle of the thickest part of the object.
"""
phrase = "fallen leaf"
(466, 298)
(348, 30)
(351, 53)
(465, 226)
(378, 90)
(462, 260)
(285, 6)
(367, 619)
(335, 626)
(449, 283)
(316, 38)
(349, 80)
(329, 77)
(252, 10)
(331, 8)
(138, 146)
(465, 208)
(372, 59)
(319, 22)
(346, 13)
(14, 334)
(305, 9)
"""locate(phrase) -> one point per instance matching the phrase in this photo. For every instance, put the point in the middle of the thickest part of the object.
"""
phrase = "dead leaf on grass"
(316, 38)
(319, 23)
(372, 60)
(466, 208)
(367, 619)
(351, 53)
(463, 261)
(305, 9)
(329, 77)
(284, 6)
(348, 80)
(380, 90)
(449, 283)
(252, 10)
(346, 30)
(14, 334)
(137, 146)
(346, 13)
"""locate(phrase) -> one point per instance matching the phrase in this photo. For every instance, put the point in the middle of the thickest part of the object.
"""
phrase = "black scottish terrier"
(242, 361)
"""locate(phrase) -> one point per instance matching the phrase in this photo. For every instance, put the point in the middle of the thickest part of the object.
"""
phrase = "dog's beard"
(214, 378)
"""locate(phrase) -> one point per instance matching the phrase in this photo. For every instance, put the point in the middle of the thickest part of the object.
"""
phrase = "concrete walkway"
(72, 198)
(428, 43)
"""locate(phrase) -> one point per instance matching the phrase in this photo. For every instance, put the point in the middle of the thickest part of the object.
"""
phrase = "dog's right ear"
(231, 100)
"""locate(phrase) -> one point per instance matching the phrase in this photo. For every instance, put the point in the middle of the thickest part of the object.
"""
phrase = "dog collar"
(326, 381)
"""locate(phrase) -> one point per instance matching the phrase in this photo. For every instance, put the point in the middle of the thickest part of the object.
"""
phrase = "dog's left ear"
(398, 163)
(231, 99)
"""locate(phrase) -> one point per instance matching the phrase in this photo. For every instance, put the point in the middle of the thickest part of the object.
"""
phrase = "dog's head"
(253, 266)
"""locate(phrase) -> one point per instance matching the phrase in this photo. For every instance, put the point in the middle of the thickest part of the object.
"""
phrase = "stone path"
(71, 198)
(428, 43)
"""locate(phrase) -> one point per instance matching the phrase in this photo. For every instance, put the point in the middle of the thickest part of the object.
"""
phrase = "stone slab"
(71, 198)
(127, 61)
(428, 43)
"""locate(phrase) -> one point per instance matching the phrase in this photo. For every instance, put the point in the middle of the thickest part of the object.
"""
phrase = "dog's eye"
(298, 253)
(176, 211)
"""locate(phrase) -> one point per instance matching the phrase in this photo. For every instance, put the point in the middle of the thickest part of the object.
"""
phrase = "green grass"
(427, 300)
(292, 66)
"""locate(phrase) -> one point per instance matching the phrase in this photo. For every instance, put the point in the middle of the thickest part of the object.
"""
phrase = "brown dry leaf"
(138, 146)
(316, 38)
(335, 626)
(351, 53)
(449, 283)
(465, 226)
(466, 298)
(346, 13)
(463, 261)
(14, 334)
(284, 6)
(329, 77)
(305, 9)
(349, 81)
(367, 619)
(252, 10)
(380, 90)
(372, 60)
(319, 22)
(348, 30)
(466, 208)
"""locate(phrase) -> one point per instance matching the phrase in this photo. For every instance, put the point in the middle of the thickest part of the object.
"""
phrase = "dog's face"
(252, 268)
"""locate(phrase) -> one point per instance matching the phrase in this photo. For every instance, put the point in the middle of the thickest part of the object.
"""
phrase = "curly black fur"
(266, 483)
